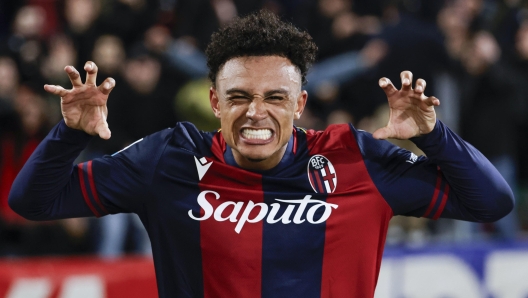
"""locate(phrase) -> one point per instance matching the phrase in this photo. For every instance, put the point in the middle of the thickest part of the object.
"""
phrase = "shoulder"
(187, 136)
(184, 135)
(346, 136)
(375, 149)
(335, 136)
(340, 136)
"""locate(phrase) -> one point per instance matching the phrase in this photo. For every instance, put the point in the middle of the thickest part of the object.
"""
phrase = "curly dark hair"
(260, 34)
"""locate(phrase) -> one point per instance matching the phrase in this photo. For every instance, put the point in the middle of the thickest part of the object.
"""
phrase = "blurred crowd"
(472, 53)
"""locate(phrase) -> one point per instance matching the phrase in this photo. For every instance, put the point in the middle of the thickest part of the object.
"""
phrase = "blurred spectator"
(128, 19)
(489, 89)
(7, 13)
(327, 78)
(9, 79)
(335, 27)
(19, 236)
(520, 62)
(80, 17)
(409, 40)
(196, 20)
(61, 52)
(149, 105)
(26, 41)
(346, 34)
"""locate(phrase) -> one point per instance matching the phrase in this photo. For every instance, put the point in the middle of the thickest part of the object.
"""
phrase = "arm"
(479, 192)
(454, 181)
(48, 186)
(43, 188)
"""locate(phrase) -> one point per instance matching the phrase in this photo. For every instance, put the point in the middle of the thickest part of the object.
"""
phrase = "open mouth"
(257, 136)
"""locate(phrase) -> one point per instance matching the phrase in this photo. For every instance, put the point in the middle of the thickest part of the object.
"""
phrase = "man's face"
(256, 99)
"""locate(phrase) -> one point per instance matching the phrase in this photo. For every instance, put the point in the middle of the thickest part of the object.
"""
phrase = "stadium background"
(472, 53)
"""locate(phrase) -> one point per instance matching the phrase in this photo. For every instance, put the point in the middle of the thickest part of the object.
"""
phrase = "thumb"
(382, 133)
(102, 130)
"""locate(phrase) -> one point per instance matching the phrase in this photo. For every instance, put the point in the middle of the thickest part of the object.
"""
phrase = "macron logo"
(202, 166)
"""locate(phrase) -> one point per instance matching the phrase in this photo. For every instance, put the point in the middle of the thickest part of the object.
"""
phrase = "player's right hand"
(84, 106)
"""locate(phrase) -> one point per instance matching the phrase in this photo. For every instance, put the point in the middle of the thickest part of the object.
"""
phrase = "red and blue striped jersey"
(313, 226)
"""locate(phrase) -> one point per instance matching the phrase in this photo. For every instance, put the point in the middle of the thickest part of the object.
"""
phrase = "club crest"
(321, 174)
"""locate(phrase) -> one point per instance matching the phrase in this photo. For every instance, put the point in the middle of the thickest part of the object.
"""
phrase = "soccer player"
(261, 208)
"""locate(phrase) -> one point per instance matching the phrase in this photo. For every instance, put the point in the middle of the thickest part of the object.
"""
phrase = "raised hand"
(411, 112)
(84, 106)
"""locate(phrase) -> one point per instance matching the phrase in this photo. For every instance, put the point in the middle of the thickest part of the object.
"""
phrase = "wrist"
(430, 137)
(72, 133)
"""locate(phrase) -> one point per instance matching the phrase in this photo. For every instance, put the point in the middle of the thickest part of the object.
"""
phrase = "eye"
(278, 98)
(238, 98)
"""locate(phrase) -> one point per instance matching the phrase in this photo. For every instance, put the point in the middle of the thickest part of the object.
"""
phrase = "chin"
(256, 160)
(256, 157)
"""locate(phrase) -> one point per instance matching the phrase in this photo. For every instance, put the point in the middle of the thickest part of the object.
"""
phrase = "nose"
(257, 110)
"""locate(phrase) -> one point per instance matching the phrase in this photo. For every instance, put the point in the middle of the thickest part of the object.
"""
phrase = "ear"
(213, 99)
(300, 104)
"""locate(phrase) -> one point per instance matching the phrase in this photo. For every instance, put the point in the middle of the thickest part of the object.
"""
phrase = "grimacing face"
(256, 99)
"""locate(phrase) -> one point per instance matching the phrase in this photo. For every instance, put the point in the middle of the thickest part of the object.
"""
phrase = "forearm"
(47, 187)
(481, 193)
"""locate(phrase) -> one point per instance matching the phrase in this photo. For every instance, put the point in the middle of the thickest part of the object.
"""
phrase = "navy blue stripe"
(178, 258)
(302, 245)
(179, 265)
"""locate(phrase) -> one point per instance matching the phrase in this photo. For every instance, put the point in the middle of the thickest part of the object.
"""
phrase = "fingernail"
(406, 81)
(107, 85)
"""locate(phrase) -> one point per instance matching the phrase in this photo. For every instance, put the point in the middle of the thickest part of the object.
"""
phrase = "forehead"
(258, 73)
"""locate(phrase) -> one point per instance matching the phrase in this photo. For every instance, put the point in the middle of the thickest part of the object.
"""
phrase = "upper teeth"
(262, 134)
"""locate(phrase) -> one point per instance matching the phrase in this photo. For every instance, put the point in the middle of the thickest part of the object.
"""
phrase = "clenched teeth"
(260, 134)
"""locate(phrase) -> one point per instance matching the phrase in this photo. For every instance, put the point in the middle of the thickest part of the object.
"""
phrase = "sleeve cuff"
(70, 135)
(433, 141)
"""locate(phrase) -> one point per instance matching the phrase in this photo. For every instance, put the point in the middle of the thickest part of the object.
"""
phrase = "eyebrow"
(266, 94)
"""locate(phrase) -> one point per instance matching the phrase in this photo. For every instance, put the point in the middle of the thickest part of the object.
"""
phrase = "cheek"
(231, 119)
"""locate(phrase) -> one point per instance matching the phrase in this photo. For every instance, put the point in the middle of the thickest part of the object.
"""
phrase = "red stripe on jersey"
(443, 202)
(355, 231)
(318, 180)
(231, 261)
(435, 195)
(85, 191)
(92, 188)
(218, 147)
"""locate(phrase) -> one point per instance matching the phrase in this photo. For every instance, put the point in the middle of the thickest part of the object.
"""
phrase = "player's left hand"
(411, 112)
